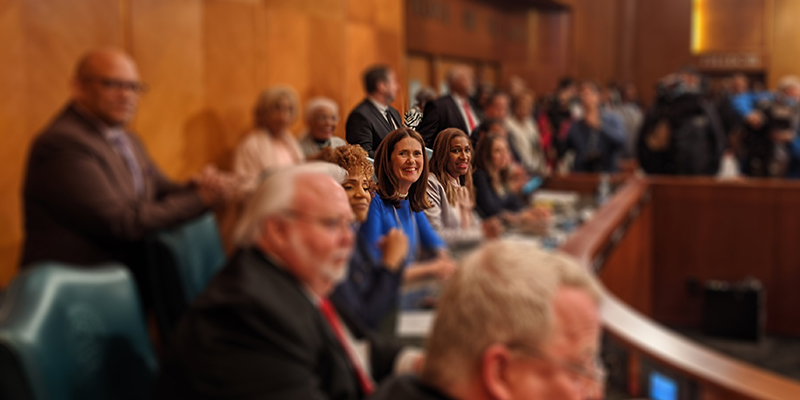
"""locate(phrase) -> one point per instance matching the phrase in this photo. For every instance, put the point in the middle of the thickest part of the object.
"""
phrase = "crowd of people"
(327, 230)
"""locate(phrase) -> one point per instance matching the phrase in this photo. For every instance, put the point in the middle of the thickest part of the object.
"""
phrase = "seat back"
(76, 334)
(181, 264)
(195, 250)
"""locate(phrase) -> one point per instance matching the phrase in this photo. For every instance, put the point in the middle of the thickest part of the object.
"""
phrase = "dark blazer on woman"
(488, 202)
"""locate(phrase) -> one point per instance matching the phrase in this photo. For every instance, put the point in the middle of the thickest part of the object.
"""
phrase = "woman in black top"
(498, 186)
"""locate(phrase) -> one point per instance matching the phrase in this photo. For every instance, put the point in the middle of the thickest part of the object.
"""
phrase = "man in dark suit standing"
(374, 117)
(91, 191)
(453, 110)
(265, 328)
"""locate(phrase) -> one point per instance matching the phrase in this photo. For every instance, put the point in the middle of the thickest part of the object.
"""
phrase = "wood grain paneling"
(786, 43)
(16, 136)
(628, 270)
(732, 26)
(663, 33)
(57, 32)
(167, 43)
(714, 231)
(230, 60)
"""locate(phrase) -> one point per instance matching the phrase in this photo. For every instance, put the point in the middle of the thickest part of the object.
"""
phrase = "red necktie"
(330, 315)
(465, 104)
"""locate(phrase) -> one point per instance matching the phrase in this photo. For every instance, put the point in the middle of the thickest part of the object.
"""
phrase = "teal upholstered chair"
(428, 153)
(182, 263)
(74, 334)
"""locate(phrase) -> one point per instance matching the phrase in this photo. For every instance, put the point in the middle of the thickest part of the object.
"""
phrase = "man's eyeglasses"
(585, 377)
(118, 84)
(332, 224)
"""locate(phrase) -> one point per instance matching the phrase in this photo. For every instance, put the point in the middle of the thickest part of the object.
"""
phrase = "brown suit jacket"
(80, 203)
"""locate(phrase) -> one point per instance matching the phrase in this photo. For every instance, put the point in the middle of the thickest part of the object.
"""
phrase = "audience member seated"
(453, 110)
(523, 133)
(265, 328)
(91, 193)
(682, 134)
(369, 291)
(322, 115)
(514, 323)
(402, 171)
(498, 187)
(271, 145)
(413, 116)
(373, 119)
(452, 195)
(597, 138)
(498, 128)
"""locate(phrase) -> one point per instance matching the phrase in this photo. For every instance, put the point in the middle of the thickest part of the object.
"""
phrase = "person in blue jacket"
(401, 169)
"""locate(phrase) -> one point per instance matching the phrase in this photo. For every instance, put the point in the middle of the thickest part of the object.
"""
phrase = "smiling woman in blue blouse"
(402, 172)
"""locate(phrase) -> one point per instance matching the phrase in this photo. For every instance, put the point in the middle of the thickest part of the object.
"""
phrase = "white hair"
(502, 293)
(275, 195)
(318, 103)
(269, 97)
(788, 81)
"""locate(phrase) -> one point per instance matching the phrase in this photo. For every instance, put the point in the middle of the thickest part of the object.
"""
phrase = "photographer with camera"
(771, 146)
(682, 134)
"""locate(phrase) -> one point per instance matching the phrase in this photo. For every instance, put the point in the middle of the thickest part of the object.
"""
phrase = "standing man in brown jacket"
(91, 191)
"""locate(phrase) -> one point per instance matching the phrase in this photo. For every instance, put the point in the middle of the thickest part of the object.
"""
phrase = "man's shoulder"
(67, 131)
(363, 107)
(407, 387)
(251, 278)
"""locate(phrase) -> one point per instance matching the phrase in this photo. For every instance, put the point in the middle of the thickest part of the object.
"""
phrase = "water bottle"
(603, 189)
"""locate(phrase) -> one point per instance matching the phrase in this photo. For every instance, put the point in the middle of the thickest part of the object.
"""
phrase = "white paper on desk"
(415, 323)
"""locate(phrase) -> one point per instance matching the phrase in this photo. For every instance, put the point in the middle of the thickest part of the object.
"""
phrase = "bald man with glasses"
(92, 193)
(513, 323)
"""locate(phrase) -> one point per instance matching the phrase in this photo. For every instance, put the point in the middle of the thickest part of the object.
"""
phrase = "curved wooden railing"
(615, 234)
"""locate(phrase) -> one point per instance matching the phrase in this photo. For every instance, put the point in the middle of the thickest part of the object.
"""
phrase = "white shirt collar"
(380, 106)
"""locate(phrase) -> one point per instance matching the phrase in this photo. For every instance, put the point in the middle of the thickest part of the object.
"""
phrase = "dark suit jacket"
(439, 115)
(367, 127)
(254, 334)
(79, 199)
(407, 388)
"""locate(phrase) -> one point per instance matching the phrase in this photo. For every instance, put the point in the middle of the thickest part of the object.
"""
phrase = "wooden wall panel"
(16, 136)
(628, 271)
(732, 26)
(663, 33)
(596, 40)
(230, 60)
(710, 231)
(57, 32)
(786, 45)
(167, 43)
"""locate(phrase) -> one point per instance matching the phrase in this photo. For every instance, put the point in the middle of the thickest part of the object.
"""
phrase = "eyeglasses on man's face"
(330, 224)
(111, 84)
(586, 377)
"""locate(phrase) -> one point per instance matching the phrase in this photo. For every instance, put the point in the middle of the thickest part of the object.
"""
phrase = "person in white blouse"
(271, 144)
(452, 195)
(523, 132)
(321, 116)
